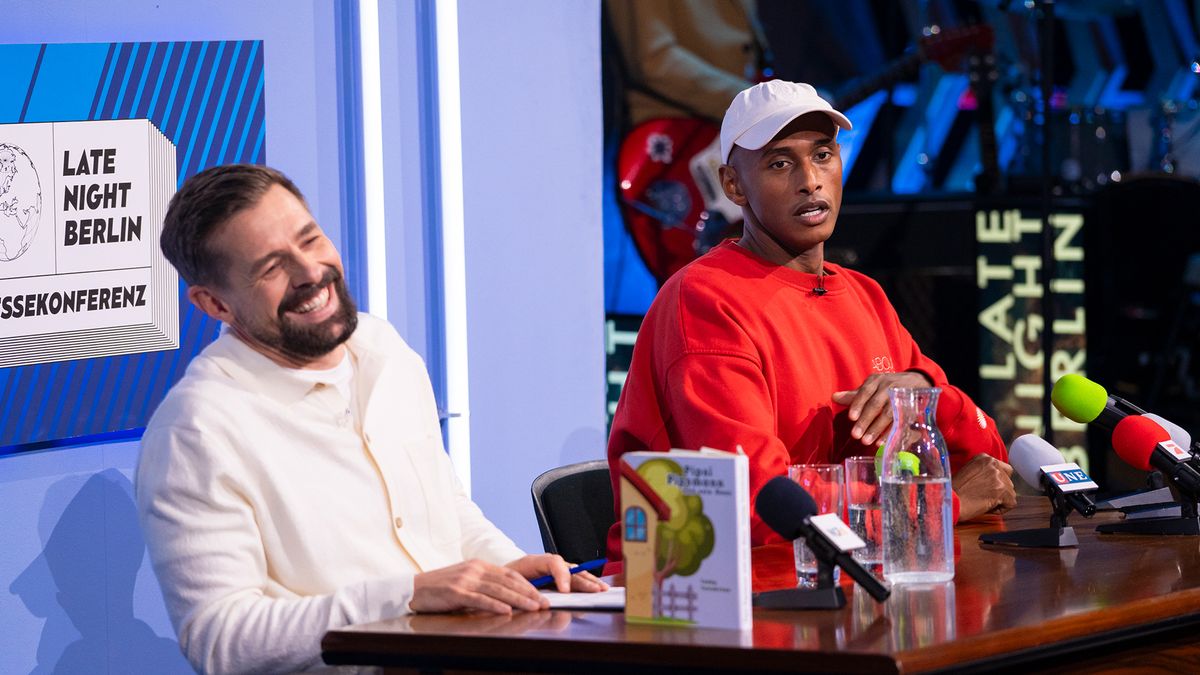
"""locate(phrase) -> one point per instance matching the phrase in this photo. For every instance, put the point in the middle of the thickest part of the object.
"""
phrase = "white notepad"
(613, 598)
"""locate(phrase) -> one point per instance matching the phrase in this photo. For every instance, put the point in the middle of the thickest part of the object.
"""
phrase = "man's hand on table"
(475, 584)
(983, 485)
(482, 586)
(869, 407)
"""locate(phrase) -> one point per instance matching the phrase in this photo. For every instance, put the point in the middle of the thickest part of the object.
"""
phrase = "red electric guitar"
(671, 196)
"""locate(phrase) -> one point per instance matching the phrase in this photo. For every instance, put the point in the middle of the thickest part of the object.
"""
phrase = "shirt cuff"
(385, 598)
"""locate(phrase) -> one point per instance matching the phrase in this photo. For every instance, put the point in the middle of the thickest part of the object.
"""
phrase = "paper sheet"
(613, 598)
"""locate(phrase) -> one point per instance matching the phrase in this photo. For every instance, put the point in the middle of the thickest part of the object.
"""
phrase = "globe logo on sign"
(20, 202)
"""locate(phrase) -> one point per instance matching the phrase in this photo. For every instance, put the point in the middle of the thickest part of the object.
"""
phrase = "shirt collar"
(254, 371)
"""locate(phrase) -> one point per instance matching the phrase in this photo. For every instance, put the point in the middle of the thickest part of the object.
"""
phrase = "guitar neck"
(946, 48)
(858, 90)
(983, 79)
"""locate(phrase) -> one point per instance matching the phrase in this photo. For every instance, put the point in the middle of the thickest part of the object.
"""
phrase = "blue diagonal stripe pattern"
(32, 82)
(208, 99)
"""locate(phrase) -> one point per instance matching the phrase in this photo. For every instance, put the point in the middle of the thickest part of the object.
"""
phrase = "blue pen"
(543, 582)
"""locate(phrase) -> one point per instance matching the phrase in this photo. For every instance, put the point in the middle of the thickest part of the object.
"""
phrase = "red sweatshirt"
(736, 350)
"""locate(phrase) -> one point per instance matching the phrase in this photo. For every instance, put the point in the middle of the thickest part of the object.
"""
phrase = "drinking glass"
(862, 509)
(825, 482)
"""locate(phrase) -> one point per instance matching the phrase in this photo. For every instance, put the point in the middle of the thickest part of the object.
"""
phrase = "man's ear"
(208, 302)
(731, 185)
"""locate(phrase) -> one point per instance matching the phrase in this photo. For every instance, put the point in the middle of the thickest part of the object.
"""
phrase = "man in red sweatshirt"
(763, 344)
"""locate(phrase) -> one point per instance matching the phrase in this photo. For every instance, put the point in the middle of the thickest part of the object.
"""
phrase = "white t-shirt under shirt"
(341, 378)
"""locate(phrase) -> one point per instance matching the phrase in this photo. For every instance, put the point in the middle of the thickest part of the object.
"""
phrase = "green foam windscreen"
(1078, 398)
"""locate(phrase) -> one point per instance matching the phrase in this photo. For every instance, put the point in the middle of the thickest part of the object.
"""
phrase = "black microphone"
(788, 509)
(1043, 467)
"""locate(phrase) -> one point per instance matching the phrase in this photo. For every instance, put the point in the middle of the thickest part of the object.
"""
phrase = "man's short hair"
(205, 202)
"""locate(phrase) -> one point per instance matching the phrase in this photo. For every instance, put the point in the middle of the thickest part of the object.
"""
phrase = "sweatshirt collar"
(833, 281)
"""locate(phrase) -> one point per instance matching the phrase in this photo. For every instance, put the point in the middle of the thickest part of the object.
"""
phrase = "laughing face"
(790, 191)
(283, 291)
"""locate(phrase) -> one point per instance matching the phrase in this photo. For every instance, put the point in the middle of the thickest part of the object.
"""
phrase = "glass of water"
(825, 483)
(862, 510)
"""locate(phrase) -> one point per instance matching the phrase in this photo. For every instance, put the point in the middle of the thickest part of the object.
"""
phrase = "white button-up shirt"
(271, 518)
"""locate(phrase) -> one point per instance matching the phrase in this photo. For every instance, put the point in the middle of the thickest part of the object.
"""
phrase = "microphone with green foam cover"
(1078, 398)
(1082, 400)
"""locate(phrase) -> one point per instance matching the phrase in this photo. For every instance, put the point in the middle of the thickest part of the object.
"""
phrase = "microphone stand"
(1058, 535)
(827, 594)
(1186, 523)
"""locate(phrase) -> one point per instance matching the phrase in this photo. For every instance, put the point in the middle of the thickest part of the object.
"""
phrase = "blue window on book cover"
(635, 524)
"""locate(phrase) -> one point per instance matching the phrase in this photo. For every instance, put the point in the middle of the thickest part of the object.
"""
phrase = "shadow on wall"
(583, 444)
(82, 584)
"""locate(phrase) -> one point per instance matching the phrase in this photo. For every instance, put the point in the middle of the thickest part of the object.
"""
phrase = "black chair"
(574, 509)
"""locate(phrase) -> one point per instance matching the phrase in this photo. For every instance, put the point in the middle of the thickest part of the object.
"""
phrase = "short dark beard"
(305, 343)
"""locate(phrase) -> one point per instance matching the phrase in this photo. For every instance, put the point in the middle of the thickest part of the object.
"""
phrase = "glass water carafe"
(918, 525)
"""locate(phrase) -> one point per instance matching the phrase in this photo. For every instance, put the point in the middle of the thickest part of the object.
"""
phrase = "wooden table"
(1115, 601)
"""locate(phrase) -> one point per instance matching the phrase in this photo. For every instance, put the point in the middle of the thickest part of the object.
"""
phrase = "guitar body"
(664, 208)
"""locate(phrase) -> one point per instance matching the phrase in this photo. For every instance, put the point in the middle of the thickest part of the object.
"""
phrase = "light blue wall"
(532, 169)
(406, 187)
(76, 590)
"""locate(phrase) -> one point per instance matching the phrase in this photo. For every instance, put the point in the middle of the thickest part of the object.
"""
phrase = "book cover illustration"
(685, 530)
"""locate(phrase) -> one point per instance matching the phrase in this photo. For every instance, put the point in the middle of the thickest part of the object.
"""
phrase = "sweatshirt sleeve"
(968, 430)
(206, 548)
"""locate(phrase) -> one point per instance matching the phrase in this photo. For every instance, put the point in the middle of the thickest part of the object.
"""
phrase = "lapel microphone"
(820, 289)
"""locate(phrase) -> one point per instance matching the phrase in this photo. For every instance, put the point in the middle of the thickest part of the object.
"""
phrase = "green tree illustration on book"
(686, 539)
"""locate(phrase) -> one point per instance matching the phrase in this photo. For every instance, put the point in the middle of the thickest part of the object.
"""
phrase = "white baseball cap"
(760, 112)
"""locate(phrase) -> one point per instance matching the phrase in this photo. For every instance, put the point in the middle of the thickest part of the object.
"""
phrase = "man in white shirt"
(294, 480)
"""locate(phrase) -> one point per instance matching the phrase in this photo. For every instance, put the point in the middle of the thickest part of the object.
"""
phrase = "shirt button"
(399, 523)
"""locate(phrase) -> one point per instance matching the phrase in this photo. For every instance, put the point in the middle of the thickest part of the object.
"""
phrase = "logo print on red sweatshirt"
(883, 364)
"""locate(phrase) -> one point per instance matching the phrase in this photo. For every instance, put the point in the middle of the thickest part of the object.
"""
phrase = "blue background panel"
(207, 98)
